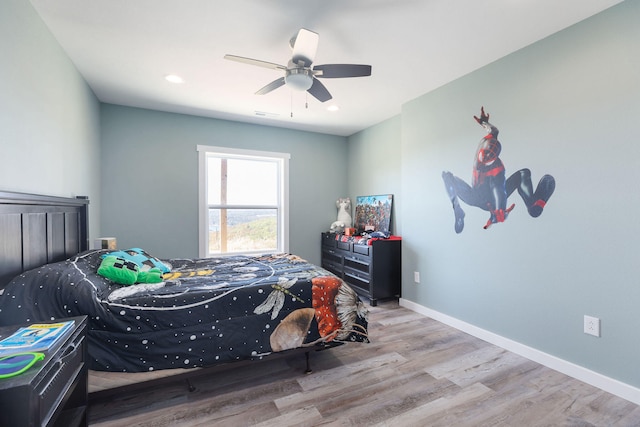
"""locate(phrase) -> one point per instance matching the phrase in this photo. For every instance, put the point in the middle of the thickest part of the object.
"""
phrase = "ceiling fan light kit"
(299, 78)
(300, 74)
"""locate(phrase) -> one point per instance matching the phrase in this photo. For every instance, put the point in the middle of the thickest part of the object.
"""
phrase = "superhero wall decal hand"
(490, 189)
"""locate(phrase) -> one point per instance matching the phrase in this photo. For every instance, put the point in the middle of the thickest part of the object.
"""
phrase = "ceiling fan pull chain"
(291, 104)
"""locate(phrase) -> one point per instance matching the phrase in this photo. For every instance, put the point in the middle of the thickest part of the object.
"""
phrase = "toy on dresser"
(344, 215)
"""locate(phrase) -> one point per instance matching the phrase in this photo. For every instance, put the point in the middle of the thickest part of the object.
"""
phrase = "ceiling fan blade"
(329, 71)
(305, 45)
(257, 62)
(319, 92)
(271, 86)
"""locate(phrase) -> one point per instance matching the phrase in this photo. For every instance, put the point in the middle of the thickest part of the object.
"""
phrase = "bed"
(204, 312)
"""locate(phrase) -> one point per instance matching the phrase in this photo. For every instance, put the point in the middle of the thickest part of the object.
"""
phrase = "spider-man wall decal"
(489, 190)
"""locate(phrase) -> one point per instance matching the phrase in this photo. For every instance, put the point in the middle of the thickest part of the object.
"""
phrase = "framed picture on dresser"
(373, 213)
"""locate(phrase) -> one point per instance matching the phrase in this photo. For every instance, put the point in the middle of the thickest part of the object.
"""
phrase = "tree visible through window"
(243, 206)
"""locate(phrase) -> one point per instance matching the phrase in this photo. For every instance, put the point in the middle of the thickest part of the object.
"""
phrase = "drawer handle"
(55, 371)
(357, 277)
(69, 352)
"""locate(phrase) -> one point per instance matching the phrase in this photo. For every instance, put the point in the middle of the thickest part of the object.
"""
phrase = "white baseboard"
(595, 379)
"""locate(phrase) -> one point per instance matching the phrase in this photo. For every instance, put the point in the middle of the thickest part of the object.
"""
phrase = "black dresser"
(373, 271)
(53, 392)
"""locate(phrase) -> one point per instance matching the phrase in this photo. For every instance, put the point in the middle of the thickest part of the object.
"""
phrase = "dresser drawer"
(361, 249)
(357, 281)
(357, 262)
(333, 267)
(345, 246)
(328, 240)
(357, 273)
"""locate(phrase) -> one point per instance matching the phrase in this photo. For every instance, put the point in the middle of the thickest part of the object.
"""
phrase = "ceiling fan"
(300, 73)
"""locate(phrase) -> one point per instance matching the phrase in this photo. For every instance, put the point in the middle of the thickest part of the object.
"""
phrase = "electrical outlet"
(592, 326)
(416, 276)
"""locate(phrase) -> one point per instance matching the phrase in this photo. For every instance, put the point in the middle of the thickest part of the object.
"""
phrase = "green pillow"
(150, 276)
(119, 270)
(141, 258)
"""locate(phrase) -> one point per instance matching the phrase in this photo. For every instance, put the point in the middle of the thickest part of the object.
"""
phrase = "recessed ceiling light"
(333, 108)
(172, 78)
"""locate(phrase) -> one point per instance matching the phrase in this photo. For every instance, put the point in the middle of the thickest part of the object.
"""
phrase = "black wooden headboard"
(37, 230)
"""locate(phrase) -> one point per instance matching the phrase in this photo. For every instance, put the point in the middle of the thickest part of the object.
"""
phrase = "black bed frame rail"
(188, 374)
(36, 230)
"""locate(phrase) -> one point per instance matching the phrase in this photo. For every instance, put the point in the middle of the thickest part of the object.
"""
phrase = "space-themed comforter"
(204, 312)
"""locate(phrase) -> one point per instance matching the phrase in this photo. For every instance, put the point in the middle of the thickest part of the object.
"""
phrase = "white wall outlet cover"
(592, 326)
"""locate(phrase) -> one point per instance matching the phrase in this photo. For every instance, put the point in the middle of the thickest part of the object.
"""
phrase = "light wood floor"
(415, 372)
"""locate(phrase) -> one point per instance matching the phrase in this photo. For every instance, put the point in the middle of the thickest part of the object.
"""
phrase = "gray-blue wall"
(567, 106)
(150, 177)
(375, 165)
(49, 117)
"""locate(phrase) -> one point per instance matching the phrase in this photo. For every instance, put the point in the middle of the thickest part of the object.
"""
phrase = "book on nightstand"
(36, 337)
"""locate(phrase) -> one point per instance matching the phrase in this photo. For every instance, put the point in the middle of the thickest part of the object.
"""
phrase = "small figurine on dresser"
(344, 216)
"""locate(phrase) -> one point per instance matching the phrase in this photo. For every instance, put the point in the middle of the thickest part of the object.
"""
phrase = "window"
(243, 201)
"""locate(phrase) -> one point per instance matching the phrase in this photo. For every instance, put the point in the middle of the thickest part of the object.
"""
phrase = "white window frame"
(203, 207)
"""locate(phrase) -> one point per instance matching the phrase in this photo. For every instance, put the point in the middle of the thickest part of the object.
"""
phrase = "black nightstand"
(54, 391)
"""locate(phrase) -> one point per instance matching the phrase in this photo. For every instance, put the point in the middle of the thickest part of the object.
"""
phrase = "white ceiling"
(125, 48)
